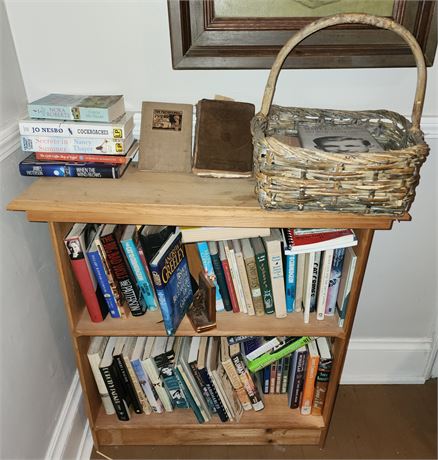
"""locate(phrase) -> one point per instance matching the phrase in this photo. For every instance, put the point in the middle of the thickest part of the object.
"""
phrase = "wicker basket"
(297, 178)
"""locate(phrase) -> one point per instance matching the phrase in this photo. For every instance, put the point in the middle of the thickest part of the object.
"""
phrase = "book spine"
(109, 377)
(279, 378)
(335, 278)
(38, 169)
(230, 286)
(265, 283)
(74, 145)
(290, 282)
(267, 359)
(147, 386)
(82, 158)
(37, 127)
(285, 375)
(327, 258)
(204, 254)
(301, 259)
(245, 283)
(220, 275)
(231, 257)
(307, 285)
(148, 274)
(273, 377)
(237, 384)
(88, 288)
(321, 385)
(50, 112)
(153, 373)
(94, 360)
(202, 387)
(343, 300)
(296, 377)
(102, 280)
(130, 393)
(188, 396)
(275, 263)
(247, 382)
(220, 409)
(266, 379)
(309, 384)
(141, 397)
(146, 290)
(120, 271)
(253, 280)
(315, 277)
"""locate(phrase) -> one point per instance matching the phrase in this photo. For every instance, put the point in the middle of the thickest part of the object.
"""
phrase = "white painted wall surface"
(37, 364)
(115, 46)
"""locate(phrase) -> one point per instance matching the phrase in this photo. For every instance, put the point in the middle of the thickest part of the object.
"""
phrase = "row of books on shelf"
(124, 269)
(215, 377)
(77, 136)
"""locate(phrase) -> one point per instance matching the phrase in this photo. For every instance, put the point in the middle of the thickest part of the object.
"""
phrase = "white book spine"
(229, 252)
(152, 371)
(244, 279)
(275, 263)
(324, 279)
(94, 360)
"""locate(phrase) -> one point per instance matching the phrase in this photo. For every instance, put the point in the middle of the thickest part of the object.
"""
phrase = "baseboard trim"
(387, 361)
(86, 445)
(70, 426)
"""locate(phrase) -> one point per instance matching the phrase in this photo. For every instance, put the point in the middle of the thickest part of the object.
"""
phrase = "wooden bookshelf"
(184, 199)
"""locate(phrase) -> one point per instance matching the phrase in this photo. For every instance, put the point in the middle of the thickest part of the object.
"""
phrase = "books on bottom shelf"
(207, 375)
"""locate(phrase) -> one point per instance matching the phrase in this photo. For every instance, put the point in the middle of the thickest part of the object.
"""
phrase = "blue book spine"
(290, 282)
(266, 373)
(335, 279)
(189, 398)
(102, 280)
(57, 169)
(141, 278)
(58, 112)
(207, 263)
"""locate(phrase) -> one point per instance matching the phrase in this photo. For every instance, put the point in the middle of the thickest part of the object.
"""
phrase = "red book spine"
(80, 269)
(230, 286)
(80, 157)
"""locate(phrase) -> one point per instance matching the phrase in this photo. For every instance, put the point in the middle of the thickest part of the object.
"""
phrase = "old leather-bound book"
(223, 142)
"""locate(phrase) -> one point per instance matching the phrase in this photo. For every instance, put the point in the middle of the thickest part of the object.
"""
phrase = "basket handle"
(352, 18)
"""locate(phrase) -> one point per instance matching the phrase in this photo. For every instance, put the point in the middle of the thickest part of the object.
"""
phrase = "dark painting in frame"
(200, 39)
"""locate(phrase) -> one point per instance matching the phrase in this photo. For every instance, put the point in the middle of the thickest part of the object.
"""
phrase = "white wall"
(123, 47)
(37, 365)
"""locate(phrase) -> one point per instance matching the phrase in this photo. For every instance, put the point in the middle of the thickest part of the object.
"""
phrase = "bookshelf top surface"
(171, 198)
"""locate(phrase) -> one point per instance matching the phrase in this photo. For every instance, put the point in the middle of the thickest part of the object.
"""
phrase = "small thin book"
(165, 137)
(338, 139)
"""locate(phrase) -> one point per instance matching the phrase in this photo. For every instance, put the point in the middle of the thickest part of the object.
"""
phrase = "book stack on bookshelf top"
(77, 136)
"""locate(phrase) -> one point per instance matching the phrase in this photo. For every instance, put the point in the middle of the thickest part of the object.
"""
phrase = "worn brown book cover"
(165, 137)
(223, 142)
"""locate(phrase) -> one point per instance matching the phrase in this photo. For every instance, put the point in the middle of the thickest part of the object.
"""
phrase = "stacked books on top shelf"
(124, 269)
(77, 136)
(211, 376)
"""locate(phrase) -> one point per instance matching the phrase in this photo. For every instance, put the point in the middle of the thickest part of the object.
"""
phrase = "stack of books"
(211, 376)
(77, 136)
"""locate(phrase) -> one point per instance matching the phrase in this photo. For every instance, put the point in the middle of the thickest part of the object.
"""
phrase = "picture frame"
(200, 39)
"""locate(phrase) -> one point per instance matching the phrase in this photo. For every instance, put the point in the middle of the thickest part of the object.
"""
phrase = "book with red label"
(77, 242)
(81, 157)
(299, 243)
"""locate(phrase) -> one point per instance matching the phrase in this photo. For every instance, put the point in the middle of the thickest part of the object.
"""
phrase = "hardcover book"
(88, 145)
(110, 241)
(338, 139)
(263, 274)
(253, 280)
(118, 129)
(75, 107)
(228, 277)
(165, 137)
(171, 276)
(77, 242)
(223, 141)
(220, 275)
(235, 277)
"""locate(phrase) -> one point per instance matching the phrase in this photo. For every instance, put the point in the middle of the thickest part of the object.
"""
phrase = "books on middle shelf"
(135, 269)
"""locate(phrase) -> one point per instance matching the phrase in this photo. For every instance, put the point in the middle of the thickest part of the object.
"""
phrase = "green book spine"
(265, 282)
(268, 358)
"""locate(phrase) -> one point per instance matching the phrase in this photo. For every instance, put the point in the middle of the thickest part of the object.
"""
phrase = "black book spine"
(204, 390)
(121, 273)
(130, 393)
(110, 378)
(220, 410)
(300, 374)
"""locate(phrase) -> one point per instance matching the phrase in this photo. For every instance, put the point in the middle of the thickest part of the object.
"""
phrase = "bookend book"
(271, 420)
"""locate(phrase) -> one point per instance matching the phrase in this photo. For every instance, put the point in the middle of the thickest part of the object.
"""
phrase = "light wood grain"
(144, 197)
(228, 323)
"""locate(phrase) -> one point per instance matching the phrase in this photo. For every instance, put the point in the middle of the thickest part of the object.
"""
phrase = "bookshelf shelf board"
(228, 323)
(270, 425)
(143, 197)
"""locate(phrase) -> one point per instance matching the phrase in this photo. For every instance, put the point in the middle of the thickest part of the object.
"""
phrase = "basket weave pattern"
(297, 178)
